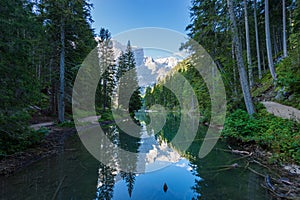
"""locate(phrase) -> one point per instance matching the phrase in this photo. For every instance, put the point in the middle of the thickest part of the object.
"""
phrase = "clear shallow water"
(186, 176)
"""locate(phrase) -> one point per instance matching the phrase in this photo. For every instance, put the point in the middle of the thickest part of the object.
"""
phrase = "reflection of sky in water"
(162, 164)
(178, 178)
(155, 153)
(41, 180)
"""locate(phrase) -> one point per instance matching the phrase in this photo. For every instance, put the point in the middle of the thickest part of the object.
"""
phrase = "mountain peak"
(153, 69)
(149, 70)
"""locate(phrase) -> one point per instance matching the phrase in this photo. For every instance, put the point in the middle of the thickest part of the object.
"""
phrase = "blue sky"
(123, 15)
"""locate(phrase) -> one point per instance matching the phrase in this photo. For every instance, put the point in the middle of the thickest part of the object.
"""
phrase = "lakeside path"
(279, 110)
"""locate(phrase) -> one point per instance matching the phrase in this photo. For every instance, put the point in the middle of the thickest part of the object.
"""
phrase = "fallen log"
(58, 188)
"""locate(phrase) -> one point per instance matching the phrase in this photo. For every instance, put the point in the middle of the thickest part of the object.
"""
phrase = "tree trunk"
(249, 60)
(52, 103)
(53, 100)
(234, 70)
(268, 41)
(284, 29)
(279, 39)
(61, 104)
(240, 62)
(264, 61)
(104, 94)
(257, 43)
(275, 42)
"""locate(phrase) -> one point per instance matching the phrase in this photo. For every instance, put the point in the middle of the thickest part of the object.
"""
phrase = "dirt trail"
(282, 111)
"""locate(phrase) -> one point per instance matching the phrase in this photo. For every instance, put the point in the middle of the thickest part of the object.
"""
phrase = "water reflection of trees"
(108, 176)
(129, 178)
(184, 144)
(189, 137)
(131, 144)
(213, 184)
(106, 182)
(188, 144)
(106, 173)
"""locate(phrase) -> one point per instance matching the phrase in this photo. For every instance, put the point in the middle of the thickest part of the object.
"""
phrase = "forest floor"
(51, 145)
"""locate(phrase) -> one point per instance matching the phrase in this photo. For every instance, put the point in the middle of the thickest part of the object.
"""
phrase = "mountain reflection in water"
(159, 159)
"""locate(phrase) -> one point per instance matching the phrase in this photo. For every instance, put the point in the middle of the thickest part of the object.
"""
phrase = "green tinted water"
(172, 173)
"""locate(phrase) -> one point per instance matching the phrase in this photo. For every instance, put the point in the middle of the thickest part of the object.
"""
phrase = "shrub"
(281, 136)
(288, 72)
(15, 135)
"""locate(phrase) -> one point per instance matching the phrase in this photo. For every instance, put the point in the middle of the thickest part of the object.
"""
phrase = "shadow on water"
(172, 171)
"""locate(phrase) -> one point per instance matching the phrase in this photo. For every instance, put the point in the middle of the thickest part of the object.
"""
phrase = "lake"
(160, 169)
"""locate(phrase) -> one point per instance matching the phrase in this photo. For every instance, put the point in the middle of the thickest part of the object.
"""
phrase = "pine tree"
(208, 26)
(20, 84)
(268, 41)
(127, 81)
(61, 102)
(240, 62)
(249, 59)
(40, 43)
(257, 42)
(108, 67)
(284, 29)
(70, 39)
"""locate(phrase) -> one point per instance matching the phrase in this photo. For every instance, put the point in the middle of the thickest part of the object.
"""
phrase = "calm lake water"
(171, 173)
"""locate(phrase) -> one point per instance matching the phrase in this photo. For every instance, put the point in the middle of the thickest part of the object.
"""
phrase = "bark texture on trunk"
(249, 59)
(240, 62)
(257, 43)
(61, 103)
(284, 29)
(268, 41)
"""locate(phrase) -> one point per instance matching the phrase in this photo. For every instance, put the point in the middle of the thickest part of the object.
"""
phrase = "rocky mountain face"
(149, 70)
